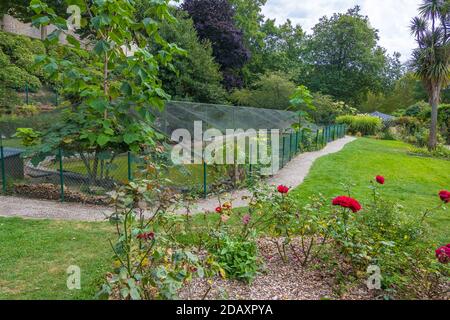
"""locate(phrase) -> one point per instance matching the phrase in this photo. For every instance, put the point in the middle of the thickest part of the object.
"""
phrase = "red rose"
(443, 254)
(347, 202)
(445, 196)
(219, 209)
(283, 189)
(380, 179)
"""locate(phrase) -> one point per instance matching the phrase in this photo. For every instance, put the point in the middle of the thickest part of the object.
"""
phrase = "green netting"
(178, 115)
(71, 176)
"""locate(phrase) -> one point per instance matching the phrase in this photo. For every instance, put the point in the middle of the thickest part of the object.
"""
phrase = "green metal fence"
(86, 177)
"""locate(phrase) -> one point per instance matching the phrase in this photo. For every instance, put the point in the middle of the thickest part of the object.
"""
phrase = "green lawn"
(34, 255)
(413, 181)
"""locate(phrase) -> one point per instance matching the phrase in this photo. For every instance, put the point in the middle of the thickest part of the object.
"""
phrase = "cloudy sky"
(390, 17)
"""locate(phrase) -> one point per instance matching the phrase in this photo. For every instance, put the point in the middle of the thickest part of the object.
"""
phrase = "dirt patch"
(277, 281)
(50, 191)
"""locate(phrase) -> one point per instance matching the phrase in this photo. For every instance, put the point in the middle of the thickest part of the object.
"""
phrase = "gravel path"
(292, 175)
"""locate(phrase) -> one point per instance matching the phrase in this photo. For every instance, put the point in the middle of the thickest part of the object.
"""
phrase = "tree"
(197, 77)
(280, 51)
(431, 59)
(271, 91)
(214, 21)
(344, 58)
(110, 97)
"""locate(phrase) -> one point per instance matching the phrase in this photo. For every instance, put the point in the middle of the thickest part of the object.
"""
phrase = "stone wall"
(12, 25)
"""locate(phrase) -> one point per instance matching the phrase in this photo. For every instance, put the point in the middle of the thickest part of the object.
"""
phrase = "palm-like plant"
(431, 59)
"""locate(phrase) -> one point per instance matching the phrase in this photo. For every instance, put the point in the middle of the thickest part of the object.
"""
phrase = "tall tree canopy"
(280, 51)
(345, 60)
(214, 20)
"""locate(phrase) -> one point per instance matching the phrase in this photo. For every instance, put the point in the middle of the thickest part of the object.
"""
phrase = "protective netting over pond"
(182, 115)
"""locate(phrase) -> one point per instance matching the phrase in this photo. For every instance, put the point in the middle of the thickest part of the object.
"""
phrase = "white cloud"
(390, 17)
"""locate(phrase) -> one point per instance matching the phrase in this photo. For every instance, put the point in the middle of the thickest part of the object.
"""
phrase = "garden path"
(292, 176)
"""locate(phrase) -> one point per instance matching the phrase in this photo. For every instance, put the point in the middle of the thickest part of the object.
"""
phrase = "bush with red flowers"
(347, 202)
(443, 254)
(282, 189)
(445, 196)
(380, 179)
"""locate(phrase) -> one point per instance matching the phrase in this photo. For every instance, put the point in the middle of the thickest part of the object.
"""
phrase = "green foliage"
(403, 95)
(346, 70)
(8, 100)
(271, 91)
(111, 94)
(441, 152)
(16, 78)
(278, 50)
(150, 263)
(326, 109)
(197, 77)
(361, 124)
(417, 109)
(237, 256)
(28, 136)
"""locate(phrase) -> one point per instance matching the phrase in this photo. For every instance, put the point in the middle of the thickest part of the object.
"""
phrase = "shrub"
(17, 78)
(237, 256)
(327, 109)
(441, 152)
(417, 109)
(8, 100)
(364, 124)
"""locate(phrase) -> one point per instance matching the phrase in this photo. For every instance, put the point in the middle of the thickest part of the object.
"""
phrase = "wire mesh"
(88, 177)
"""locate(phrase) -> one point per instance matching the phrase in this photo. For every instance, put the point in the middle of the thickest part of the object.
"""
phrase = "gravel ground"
(292, 175)
(278, 281)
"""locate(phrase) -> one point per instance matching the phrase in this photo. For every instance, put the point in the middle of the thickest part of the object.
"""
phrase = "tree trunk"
(43, 33)
(434, 102)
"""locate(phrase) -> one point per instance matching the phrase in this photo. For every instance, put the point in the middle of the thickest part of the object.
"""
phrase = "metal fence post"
(250, 158)
(296, 142)
(26, 93)
(317, 138)
(2, 159)
(323, 137)
(205, 189)
(282, 152)
(61, 173)
(129, 162)
(300, 140)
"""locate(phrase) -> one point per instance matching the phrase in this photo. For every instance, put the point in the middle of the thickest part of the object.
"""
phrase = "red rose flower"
(347, 202)
(380, 179)
(246, 219)
(443, 254)
(283, 189)
(146, 236)
(445, 196)
(219, 209)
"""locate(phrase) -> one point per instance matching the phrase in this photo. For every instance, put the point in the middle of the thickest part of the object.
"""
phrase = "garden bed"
(277, 281)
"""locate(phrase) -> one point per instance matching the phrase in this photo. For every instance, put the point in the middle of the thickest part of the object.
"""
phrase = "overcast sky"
(390, 17)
